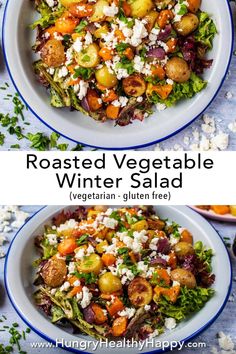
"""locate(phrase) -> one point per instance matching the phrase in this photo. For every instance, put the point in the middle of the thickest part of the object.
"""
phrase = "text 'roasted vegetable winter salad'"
(113, 273)
(115, 59)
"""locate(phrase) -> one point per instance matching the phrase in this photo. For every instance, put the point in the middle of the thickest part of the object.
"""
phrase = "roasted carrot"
(116, 306)
(99, 314)
(112, 112)
(186, 236)
(106, 53)
(172, 45)
(163, 90)
(119, 35)
(94, 101)
(164, 17)
(51, 30)
(67, 246)
(172, 293)
(162, 277)
(81, 10)
(119, 326)
(108, 259)
(110, 96)
(172, 262)
(220, 209)
(126, 8)
(75, 290)
(158, 71)
(65, 24)
(129, 53)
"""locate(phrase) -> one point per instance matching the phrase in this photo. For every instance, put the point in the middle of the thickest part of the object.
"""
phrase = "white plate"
(212, 215)
(19, 277)
(17, 41)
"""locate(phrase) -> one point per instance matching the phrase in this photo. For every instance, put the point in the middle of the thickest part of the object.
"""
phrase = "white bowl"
(17, 41)
(19, 278)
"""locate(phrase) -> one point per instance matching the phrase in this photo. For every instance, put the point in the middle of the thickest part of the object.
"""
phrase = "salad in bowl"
(122, 272)
(116, 59)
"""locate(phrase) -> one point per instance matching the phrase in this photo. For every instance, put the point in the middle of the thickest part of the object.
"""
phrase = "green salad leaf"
(204, 254)
(57, 313)
(206, 30)
(48, 17)
(48, 250)
(189, 301)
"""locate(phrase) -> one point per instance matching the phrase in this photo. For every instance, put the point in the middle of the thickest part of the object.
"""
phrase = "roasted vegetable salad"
(116, 59)
(115, 273)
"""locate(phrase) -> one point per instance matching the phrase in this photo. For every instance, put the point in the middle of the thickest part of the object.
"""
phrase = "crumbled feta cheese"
(153, 243)
(62, 72)
(170, 323)
(128, 312)
(110, 11)
(160, 107)
(80, 253)
(76, 283)
(53, 291)
(78, 45)
(228, 95)
(69, 224)
(65, 286)
(51, 71)
(90, 250)
(88, 38)
(50, 3)
(140, 99)
(57, 36)
(225, 342)
(83, 88)
(142, 268)
(110, 222)
(220, 141)
(21, 217)
(86, 297)
(147, 307)
(232, 126)
(139, 32)
(71, 267)
(2, 254)
(52, 239)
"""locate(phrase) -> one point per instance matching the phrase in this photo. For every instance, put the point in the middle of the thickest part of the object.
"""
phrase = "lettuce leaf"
(189, 301)
(206, 30)
(181, 91)
(48, 17)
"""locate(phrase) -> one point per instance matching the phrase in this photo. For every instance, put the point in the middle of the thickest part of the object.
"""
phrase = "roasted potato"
(187, 24)
(90, 264)
(164, 3)
(100, 246)
(134, 85)
(89, 58)
(140, 225)
(184, 277)
(233, 209)
(183, 249)
(109, 283)
(105, 78)
(140, 8)
(100, 208)
(186, 236)
(54, 272)
(98, 14)
(101, 31)
(177, 69)
(193, 5)
(140, 292)
(151, 18)
(53, 53)
(67, 3)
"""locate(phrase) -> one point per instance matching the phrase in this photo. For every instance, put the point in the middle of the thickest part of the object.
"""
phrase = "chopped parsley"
(89, 278)
(2, 138)
(81, 26)
(84, 73)
(82, 240)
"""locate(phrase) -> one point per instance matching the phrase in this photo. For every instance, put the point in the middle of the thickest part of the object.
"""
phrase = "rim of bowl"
(73, 350)
(139, 146)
